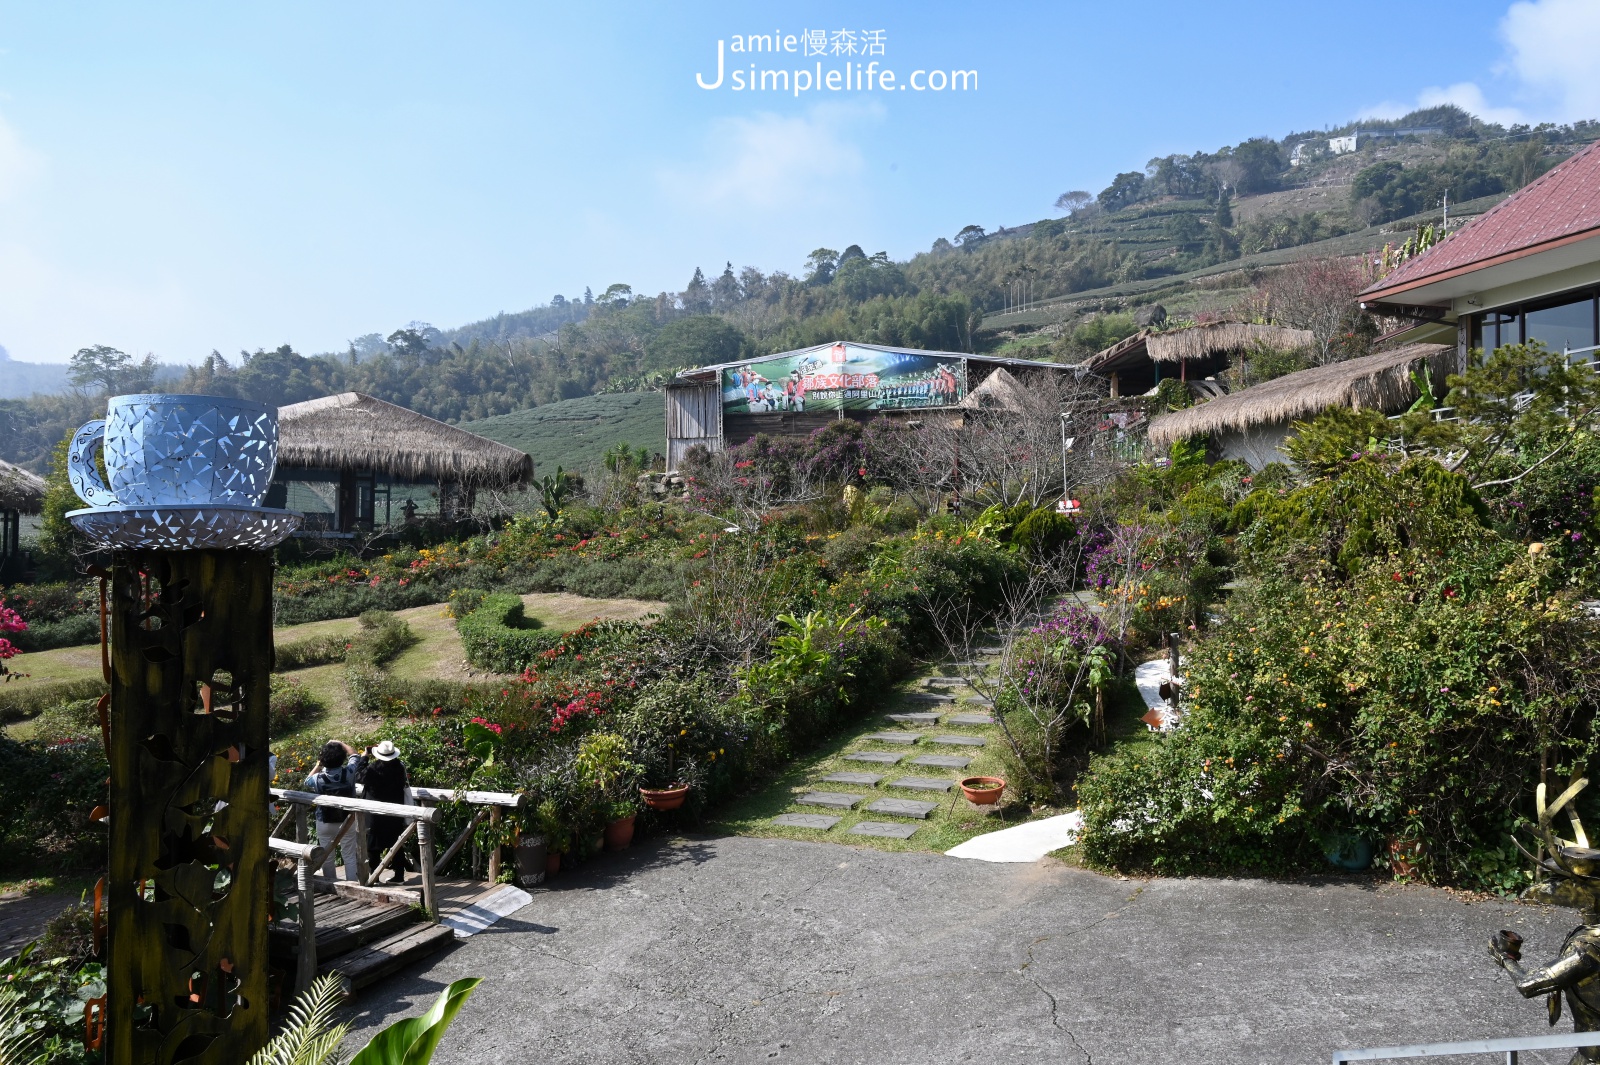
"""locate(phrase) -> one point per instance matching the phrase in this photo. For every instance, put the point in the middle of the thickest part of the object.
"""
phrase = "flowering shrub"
(10, 622)
(1415, 683)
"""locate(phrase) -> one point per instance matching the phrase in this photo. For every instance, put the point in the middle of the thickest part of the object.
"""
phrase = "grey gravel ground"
(752, 950)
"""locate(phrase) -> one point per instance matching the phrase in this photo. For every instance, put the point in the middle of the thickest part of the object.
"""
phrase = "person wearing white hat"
(385, 781)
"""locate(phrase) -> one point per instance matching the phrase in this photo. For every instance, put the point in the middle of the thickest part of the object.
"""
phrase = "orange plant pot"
(619, 833)
(1404, 856)
(983, 791)
(664, 798)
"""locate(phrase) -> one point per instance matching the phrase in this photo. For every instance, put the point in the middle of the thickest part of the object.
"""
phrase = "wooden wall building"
(698, 409)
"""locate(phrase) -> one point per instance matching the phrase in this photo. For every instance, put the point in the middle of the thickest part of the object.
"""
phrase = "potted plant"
(546, 819)
(983, 791)
(604, 768)
(533, 851)
(670, 797)
(1405, 847)
(619, 825)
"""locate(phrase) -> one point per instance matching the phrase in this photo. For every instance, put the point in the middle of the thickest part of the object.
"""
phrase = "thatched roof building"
(1250, 424)
(351, 452)
(1134, 365)
(998, 391)
(21, 493)
(20, 490)
(355, 431)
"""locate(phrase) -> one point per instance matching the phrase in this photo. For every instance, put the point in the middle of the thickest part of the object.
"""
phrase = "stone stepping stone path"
(923, 783)
(902, 807)
(883, 829)
(881, 757)
(866, 780)
(833, 800)
(893, 737)
(920, 708)
(942, 761)
(820, 822)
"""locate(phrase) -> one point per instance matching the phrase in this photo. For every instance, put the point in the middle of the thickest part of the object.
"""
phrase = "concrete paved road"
(754, 950)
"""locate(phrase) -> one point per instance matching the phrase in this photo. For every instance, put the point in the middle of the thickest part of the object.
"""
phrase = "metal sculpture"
(184, 472)
(1572, 878)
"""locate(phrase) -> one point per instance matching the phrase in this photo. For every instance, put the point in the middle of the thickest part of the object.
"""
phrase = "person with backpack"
(337, 775)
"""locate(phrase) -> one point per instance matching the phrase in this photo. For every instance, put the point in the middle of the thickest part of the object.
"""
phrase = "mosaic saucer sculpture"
(185, 528)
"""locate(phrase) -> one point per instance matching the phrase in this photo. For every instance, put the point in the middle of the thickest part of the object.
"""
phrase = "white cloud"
(768, 161)
(1552, 45)
(1546, 72)
(1465, 95)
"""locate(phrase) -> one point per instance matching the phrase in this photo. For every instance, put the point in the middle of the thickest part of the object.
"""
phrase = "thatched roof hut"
(356, 431)
(1193, 351)
(998, 391)
(20, 490)
(1379, 382)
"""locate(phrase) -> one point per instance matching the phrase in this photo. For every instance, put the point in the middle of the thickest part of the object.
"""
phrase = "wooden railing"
(422, 817)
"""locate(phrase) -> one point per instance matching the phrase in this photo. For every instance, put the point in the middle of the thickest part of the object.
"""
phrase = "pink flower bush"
(10, 621)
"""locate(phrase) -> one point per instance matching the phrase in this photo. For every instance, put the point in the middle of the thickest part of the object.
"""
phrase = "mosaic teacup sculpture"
(182, 473)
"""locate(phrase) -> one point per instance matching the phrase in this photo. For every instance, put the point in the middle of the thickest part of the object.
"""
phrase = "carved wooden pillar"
(190, 877)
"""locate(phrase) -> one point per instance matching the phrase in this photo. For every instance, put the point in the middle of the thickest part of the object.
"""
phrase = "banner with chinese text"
(844, 377)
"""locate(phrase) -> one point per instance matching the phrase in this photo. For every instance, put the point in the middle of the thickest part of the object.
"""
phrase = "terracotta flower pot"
(619, 833)
(664, 798)
(983, 791)
(552, 863)
(1405, 855)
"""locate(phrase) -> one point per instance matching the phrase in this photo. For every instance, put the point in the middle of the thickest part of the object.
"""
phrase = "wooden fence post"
(425, 854)
(494, 849)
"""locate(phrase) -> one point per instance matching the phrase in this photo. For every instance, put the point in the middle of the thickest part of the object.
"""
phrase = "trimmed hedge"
(499, 638)
(20, 700)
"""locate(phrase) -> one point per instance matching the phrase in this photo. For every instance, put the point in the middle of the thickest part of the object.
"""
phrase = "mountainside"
(573, 433)
(19, 379)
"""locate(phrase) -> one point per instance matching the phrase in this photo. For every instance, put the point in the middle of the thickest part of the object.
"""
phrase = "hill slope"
(575, 432)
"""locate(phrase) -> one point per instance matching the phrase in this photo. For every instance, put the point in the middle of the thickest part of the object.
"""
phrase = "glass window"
(1566, 327)
(1499, 328)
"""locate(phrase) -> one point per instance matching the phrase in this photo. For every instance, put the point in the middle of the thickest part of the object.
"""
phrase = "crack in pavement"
(1055, 1006)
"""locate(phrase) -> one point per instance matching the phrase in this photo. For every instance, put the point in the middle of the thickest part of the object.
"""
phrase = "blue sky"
(181, 177)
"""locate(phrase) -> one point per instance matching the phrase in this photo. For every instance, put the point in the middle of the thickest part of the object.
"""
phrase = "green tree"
(59, 542)
(111, 371)
(703, 340)
(820, 265)
(1124, 191)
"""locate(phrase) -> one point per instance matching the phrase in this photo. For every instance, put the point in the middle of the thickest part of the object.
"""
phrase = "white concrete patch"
(1024, 843)
(1150, 676)
(487, 910)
